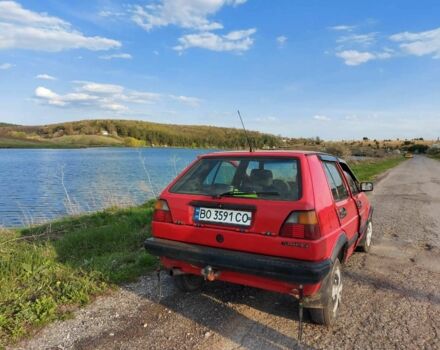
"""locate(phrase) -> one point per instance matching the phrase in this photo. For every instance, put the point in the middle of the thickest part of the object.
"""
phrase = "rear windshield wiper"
(246, 193)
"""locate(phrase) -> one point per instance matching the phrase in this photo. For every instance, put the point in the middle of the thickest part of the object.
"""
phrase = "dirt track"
(391, 297)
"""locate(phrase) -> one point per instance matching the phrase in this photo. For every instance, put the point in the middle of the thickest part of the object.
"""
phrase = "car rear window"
(247, 177)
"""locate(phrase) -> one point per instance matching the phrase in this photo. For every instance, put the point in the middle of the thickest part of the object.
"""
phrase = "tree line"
(155, 134)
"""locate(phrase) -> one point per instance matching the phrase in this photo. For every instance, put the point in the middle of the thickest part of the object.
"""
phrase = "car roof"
(271, 153)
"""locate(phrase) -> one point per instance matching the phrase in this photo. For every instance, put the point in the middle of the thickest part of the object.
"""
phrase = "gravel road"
(391, 297)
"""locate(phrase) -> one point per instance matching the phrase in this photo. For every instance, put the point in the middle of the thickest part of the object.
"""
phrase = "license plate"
(224, 216)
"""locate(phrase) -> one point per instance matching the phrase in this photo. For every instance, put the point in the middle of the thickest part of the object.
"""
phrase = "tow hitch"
(209, 274)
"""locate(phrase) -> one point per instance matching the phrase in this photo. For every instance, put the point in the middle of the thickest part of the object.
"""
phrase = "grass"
(369, 169)
(87, 140)
(10, 142)
(48, 271)
(67, 141)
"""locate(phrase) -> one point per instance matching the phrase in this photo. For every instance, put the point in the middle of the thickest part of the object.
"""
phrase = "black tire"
(365, 243)
(326, 316)
(188, 283)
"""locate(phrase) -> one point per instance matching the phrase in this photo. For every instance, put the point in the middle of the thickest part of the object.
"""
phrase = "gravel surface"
(391, 297)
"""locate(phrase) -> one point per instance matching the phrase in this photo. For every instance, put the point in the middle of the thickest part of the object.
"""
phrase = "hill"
(131, 133)
(6, 124)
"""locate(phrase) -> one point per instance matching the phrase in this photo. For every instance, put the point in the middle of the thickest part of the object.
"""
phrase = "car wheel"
(327, 315)
(188, 283)
(365, 243)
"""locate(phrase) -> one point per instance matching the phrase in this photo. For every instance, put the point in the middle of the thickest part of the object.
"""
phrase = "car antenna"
(245, 132)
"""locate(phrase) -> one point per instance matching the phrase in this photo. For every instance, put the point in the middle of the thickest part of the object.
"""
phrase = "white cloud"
(140, 97)
(42, 92)
(99, 88)
(190, 14)
(354, 57)
(387, 53)
(238, 41)
(109, 13)
(189, 101)
(281, 40)
(24, 29)
(409, 43)
(125, 56)
(4, 66)
(45, 77)
(194, 15)
(419, 44)
(323, 118)
(343, 27)
(115, 107)
(107, 97)
(364, 39)
(55, 99)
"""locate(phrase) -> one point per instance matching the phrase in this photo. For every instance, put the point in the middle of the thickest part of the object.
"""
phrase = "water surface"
(37, 185)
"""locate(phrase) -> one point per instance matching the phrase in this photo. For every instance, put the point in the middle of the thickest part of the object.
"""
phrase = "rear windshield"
(261, 178)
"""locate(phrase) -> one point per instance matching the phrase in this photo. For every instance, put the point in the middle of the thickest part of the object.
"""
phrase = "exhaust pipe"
(209, 274)
(176, 272)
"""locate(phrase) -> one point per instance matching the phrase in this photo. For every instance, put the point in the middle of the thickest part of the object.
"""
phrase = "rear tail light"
(301, 224)
(162, 212)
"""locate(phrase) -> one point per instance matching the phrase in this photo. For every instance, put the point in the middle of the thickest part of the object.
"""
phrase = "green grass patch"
(369, 169)
(67, 141)
(10, 142)
(87, 140)
(49, 270)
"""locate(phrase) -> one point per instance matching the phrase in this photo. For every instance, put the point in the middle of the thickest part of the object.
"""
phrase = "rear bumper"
(287, 270)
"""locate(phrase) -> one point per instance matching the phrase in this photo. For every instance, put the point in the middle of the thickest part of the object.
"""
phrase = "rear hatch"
(235, 202)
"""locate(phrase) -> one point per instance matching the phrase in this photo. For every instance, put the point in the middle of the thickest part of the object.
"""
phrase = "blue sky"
(334, 69)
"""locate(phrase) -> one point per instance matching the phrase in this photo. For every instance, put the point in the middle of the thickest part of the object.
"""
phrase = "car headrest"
(261, 177)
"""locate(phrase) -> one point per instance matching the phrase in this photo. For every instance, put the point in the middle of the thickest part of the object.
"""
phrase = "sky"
(333, 69)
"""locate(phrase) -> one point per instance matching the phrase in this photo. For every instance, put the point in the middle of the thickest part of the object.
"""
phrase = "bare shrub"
(338, 150)
(71, 206)
(147, 173)
(434, 150)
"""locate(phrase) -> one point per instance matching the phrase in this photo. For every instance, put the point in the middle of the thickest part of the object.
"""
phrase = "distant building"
(104, 132)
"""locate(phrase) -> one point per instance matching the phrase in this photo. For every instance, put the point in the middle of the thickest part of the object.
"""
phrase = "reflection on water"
(31, 180)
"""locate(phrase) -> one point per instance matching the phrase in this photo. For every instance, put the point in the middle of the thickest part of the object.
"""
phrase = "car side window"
(339, 191)
(353, 187)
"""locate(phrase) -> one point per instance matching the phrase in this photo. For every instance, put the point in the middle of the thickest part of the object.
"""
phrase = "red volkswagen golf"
(283, 221)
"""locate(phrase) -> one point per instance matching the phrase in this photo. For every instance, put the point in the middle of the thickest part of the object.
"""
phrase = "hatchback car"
(282, 221)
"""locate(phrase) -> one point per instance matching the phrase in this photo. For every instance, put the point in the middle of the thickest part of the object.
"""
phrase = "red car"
(283, 221)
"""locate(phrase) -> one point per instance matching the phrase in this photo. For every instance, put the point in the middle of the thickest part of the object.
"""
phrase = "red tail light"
(301, 224)
(162, 212)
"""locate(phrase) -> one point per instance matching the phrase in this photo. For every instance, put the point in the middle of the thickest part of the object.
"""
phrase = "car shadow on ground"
(215, 307)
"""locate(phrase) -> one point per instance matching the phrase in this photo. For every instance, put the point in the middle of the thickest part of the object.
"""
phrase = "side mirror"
(366, 186)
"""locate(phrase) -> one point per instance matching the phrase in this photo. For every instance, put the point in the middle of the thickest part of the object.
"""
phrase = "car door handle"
(359, 204)
(342, 212)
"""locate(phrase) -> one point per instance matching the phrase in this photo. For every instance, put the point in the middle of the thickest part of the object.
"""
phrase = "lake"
(38, 185)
